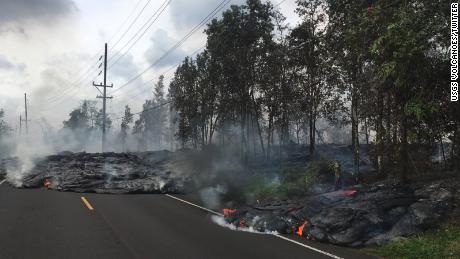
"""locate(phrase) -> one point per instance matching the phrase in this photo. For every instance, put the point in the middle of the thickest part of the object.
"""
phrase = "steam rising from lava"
(212, 196)
(221, 222)
(27, 150)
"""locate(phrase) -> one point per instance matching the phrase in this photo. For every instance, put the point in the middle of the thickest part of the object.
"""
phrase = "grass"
(441, 243)
(287, 183)
(291, 183)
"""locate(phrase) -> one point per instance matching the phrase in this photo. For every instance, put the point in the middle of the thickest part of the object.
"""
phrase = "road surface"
(37, 223)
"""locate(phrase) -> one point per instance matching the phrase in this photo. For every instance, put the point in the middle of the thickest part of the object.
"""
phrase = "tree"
(238, 45)
(138, 132)
(150, 127)
(124, 127)
(348, 43)
(378, 65)
(79, 117)
(160, 112)
(99, 119)
(410, 56)
(184, 96)
(309, 63)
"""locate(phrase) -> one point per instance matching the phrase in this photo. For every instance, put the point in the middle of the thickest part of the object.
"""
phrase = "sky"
(50, 50)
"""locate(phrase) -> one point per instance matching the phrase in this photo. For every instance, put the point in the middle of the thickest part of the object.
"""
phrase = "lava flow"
(350, 192)
(47, 183)
(228, 211)
(301, 227)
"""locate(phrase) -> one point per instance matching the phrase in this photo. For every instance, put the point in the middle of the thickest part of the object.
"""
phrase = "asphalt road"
(37, 223)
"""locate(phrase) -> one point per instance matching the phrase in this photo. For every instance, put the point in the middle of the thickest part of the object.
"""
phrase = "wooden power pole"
(104, 97)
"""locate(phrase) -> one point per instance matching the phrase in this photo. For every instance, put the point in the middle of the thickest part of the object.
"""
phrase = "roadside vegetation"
(440, 243)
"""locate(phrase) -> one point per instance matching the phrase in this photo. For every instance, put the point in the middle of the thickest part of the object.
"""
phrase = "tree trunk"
(443, 153)
(354, 130)
(257, 116)
(403, 151)
(380, 133)
(270, 136)
(297, 131)
(312, 134)
(366, 131)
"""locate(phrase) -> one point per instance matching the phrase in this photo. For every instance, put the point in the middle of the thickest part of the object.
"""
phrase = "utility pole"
(20, 124)
(104, 97)
(25, 108)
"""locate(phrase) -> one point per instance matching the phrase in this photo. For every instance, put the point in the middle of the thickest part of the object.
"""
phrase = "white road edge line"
(307, 246)
(189, 203)
(276, 235)
(2, 181)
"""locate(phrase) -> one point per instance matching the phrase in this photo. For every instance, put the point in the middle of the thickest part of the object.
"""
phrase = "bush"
(319, 172)
(294, 182)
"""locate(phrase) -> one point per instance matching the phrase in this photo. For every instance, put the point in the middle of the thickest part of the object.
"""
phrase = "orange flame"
(228, 211)
(301, 227)
(47, 183)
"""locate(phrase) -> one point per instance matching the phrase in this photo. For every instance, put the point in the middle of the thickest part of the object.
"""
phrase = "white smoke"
(27, 149)
(211, 196)
(221, 222)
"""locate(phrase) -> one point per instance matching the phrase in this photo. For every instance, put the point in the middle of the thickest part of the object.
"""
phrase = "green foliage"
(320, 171)
(381, 66)
(442, 243)
(290, 184)
(293, 182)
(86, 117)
(269, 190)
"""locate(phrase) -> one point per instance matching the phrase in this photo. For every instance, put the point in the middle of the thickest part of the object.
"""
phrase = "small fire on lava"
(301, 227)
(47, 183)
(228, 211)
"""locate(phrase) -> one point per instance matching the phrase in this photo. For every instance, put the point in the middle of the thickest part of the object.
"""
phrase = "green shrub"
(442, 243)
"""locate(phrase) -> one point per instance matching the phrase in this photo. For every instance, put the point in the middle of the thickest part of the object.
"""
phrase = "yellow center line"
(86, 202)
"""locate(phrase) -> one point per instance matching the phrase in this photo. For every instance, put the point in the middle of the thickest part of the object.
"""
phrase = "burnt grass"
(281, 194)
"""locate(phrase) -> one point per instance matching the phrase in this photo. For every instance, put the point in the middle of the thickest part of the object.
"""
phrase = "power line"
(124, 22)
(278, 4)
(84, 75)
(73, 84)
(87, 73)
(163, 73)
(155, 17)
(66, 94)
(179, 43)
(144, 110)
(132, 23)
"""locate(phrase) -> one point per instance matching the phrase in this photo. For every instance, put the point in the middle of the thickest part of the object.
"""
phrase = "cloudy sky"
(49, 49)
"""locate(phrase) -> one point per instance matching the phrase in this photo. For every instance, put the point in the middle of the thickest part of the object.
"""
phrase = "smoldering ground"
(221, 177)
